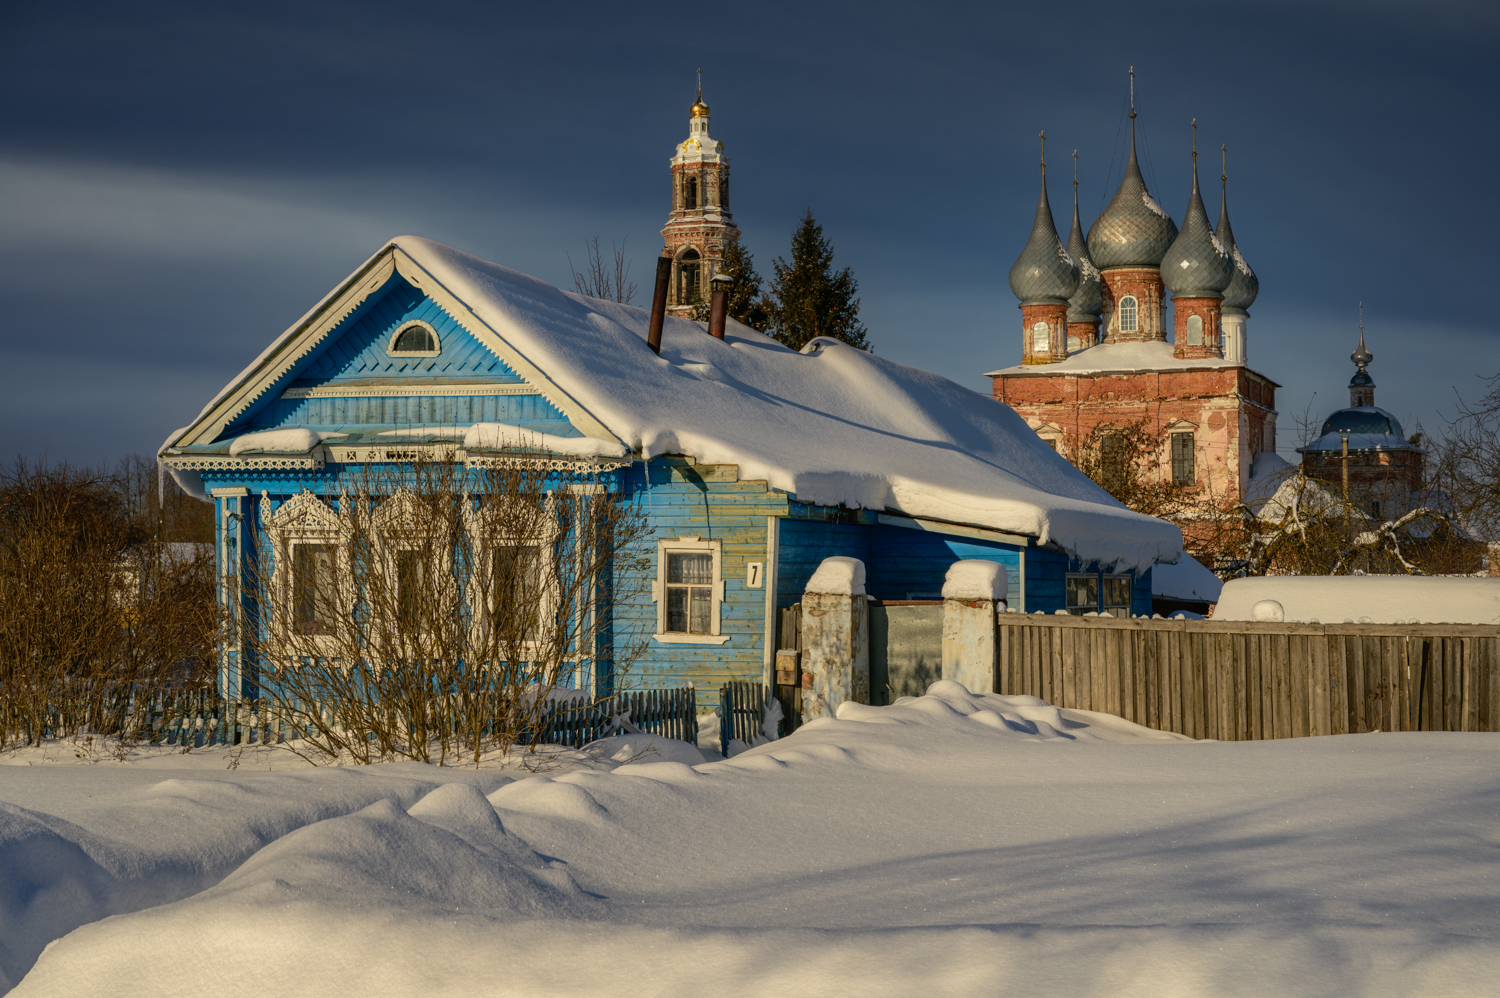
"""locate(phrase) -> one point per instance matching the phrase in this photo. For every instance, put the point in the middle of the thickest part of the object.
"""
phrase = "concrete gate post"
(972, 594)
(835, 638)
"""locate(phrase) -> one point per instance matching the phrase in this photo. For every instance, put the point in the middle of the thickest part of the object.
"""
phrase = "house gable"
(354, 380)
(334, 369)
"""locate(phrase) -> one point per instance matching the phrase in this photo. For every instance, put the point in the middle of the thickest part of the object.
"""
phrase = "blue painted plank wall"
(531, 411)
(707, 501)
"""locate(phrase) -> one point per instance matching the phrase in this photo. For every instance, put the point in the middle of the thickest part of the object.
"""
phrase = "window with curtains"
(689, 590)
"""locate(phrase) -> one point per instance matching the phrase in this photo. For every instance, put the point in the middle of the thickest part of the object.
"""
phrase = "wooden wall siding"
(531, 411)
(1238, 681)
(911, 564)
(355, 350)
(804, 544)
(708, 501)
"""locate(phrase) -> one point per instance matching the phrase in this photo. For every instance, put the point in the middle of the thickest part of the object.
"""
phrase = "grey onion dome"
(1196, 265)
(1087, 303)
(1243, 285)
(1133, 230)
(1044, 273)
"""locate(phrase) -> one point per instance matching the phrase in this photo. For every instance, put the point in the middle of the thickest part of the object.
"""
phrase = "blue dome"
(1367, 419)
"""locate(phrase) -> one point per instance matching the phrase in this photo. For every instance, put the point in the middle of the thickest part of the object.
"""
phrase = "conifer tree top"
(808, 298)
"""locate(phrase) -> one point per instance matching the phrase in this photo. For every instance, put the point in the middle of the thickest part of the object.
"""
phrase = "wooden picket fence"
(201, 718)
(668, 713)
(1236, 680)
(742, 710)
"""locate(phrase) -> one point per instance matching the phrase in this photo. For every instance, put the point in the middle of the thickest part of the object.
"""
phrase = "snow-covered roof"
(1186, 580)
(832, 425)
(1383, 599)
(1152, 355)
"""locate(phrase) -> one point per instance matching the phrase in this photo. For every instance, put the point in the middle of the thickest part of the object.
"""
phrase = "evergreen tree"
(746, 303)
(807, 299)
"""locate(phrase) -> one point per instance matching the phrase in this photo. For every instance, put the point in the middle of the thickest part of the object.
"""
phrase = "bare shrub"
(98, 613)
(431, 613)
(608, 280)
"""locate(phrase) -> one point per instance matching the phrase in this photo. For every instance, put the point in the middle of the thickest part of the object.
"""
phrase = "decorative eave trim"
(261, 462)
(410, 390)
(293, 347)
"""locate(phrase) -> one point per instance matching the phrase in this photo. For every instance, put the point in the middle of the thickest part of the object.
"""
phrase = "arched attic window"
(414, 339)
(689, 272)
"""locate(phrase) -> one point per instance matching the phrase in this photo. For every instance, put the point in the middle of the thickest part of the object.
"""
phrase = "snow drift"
(1380, 599)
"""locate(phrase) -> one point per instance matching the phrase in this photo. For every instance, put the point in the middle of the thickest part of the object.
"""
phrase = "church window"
(689, 271)
(416, 339)
(1184, 471)
(1041, 338)
(1112, 464)
(690, 192)
(1195, 330)
(1129, 322)
(723, 190)
(1074, 344)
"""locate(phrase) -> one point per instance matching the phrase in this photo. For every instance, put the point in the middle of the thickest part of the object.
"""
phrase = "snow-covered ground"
(948, 845)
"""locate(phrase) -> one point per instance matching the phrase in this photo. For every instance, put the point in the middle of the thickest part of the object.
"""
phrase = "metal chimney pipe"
(718, 305)
(659, 302)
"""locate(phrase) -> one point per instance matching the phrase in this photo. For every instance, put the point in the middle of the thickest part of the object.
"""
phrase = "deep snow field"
(951, 844)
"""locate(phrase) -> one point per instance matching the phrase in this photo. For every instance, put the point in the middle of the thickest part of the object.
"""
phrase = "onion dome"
(1044, 273)
(1087, 303)
(1367, 427)
(1243, 285)
(1196, 265)
(699, 109)
(1133, 230)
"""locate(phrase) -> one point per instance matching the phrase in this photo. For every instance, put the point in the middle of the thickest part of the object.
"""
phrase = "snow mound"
(974, 579)
(951, 703)
(838, 576)
(634, 749)
(1186, 580)
(1383, 599)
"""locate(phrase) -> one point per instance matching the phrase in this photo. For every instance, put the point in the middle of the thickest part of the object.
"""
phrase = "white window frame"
(390, 346)
(1135, 314)
(688, 545)
(545, 543)
(306, 519)
(389, 544)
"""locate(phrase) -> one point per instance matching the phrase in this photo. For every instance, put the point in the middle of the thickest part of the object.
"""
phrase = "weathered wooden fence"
(742, 711)
(201, 718)
(1236, 681)
(668, 713)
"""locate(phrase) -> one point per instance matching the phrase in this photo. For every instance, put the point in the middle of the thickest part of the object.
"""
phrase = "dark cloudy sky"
(179, 182)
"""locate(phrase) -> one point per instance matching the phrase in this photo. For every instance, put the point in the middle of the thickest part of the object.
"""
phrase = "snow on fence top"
(831, 425)
(1377, 599)
(838, 576)
(974, 579)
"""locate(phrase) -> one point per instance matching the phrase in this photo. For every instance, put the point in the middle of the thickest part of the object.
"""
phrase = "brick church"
(1094, 343)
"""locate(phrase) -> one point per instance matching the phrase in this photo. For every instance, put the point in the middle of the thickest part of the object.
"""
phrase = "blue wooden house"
(763, 459)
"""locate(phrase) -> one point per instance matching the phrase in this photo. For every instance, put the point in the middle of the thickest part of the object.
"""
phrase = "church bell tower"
(700, 226)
